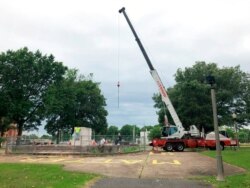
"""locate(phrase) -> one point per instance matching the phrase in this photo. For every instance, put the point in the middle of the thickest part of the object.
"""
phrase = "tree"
(24, 79)
(244, 135)
(75, 102)
(127, 130)
(230, 132)
(155, 132)
(4, 124)
(2, 139)
(192, 99)
(112, 130)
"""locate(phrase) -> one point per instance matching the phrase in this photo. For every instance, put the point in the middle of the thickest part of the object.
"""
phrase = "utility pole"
(134, 134)
(220, 170)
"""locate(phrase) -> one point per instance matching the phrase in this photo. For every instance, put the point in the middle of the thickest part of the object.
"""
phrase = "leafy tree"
(24, 79)
(127, 130)
(112, 130)
(192, 99)
(75, 102)
(244, 135)
(230, 133)
(4, 124)
(2, 139)
(61, 106)
(155, 132)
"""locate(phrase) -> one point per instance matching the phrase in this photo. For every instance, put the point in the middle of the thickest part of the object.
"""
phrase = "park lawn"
(239, 158)
(16, 175)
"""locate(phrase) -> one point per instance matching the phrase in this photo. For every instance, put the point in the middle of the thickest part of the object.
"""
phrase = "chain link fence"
(83, 145)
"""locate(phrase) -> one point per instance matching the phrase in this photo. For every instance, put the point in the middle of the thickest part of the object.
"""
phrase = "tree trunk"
(20, 130)
(1, 126)
(73, 130)
(57, 136)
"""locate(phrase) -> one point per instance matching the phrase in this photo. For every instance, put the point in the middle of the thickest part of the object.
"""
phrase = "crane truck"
(174, 137)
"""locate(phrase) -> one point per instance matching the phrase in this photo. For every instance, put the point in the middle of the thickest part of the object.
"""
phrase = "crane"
(178, 130)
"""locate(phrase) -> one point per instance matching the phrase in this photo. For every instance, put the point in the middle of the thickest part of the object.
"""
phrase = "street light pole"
(134, 134)
(220, 169)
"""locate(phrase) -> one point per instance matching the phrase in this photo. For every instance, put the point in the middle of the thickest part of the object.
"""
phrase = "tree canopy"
(192, 99)
(24, 79)
(112, 130)
(75, 102)
(34, 87)
(127, 130)
(155, 132)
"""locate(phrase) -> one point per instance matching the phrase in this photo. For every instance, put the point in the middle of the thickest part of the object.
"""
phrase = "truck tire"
(180, 147)
(168, 147)
(212, 148)
(222, 147)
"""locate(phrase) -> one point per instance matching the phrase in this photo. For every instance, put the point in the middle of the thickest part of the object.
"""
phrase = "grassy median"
(239, 158)
(40, 176)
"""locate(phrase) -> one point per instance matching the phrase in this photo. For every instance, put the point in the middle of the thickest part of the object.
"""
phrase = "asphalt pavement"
(147, 183)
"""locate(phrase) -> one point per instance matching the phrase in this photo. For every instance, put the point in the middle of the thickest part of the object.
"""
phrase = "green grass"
(130, 149)
(40, 176)
(239, 158)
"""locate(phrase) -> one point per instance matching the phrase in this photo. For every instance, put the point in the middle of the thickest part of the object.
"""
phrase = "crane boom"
(157, 79)
(122, 10)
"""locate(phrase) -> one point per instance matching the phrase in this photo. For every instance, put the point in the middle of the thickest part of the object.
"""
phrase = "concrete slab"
(141, 165)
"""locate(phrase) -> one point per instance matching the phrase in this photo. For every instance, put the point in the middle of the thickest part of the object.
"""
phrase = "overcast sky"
(94, 38)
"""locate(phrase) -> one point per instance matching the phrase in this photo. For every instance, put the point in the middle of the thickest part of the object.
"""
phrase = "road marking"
(131, 161)
(167, 153)
(108, 161)
(162, 153)
(175, 162)
(111, 161)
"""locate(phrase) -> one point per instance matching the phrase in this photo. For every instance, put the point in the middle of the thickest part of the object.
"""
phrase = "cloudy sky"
(92, 36)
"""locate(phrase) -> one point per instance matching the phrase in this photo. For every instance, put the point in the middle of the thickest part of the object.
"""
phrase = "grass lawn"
(239, 158)
(40, 176)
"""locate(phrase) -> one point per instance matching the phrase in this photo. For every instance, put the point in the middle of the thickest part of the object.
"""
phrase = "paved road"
(147, 183)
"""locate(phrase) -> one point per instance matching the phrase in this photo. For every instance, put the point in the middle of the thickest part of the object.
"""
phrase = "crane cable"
(118, 64)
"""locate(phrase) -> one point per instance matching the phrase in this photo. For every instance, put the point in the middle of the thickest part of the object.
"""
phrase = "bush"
(1, 140)
(155, 132)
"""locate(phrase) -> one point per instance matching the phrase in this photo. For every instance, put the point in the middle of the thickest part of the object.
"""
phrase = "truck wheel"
(212, 148)
(180, 147)
(168, 147)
